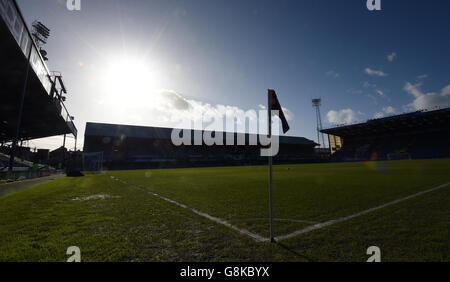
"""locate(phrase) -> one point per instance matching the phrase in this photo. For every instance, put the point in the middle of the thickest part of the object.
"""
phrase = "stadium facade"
(134, 147)
(421, 134)
(43, 113)
(32, 97)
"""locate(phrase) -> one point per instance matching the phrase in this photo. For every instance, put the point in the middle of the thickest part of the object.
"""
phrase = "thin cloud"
(367, 84)
(345, 116)
(389, 110)
(288, 114)
(379, 92)
(172, 109)
(378, 115)
(372, 72)
(426, 100)
(175, 100)
(332, 73)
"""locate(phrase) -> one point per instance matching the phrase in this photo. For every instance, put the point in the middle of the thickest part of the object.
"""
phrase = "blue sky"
(223, 55)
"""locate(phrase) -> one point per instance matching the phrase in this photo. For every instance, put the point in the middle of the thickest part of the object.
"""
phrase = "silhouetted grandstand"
(32, 97)
(44, 113)
(18, 162)
(132, 147)
(422, 134)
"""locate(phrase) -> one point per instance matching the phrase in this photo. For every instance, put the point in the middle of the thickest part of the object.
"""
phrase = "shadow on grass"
(296, 253)
(74, 173)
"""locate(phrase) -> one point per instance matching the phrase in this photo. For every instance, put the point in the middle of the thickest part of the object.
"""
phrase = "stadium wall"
(418, 135)
(137, 147)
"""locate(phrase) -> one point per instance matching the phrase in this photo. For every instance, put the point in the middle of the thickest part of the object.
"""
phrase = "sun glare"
(129, 79)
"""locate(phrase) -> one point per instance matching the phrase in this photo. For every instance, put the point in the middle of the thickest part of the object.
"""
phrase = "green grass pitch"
(111, 221)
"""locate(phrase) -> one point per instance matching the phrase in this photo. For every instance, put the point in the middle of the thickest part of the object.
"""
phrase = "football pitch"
(323, 212)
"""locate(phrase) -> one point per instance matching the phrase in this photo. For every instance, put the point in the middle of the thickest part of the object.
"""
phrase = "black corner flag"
(274, 105)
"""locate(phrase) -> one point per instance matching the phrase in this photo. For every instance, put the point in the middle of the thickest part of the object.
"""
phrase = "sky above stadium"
(155, 63)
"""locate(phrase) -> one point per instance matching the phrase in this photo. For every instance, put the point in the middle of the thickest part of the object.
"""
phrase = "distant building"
(131, 147)
(58, 157)
(42, 156)
(422, 134)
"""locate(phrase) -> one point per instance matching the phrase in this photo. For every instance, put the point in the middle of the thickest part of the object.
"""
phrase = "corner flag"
(274, 105)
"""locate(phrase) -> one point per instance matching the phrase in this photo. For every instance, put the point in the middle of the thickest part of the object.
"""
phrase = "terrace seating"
(426, 145)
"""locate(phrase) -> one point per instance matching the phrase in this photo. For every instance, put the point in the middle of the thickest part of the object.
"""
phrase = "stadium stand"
(421, 134)
(132, 147)
(4, 162)
(44, 113)
(32, 97)
(23, 169)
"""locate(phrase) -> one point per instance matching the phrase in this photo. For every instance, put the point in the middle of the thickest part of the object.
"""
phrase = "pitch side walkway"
(14, 187)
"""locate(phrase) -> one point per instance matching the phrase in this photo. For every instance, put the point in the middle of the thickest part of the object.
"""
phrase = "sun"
(126, 80)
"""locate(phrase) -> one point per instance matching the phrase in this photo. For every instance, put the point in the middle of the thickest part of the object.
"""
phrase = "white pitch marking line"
(276, 219)
(254, 236)
(334, 221)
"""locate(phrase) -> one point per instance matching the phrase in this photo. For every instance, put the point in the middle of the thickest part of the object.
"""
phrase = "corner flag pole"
(272, 239)
(273, 104)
